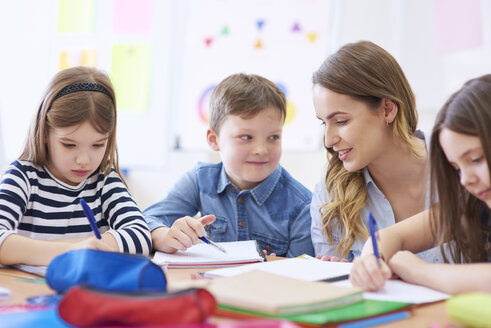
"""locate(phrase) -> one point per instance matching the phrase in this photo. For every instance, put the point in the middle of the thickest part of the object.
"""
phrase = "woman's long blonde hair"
(72, 109)
(367, 73)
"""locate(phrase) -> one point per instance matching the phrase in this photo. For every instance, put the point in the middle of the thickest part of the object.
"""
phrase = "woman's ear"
(390, 110)
(212, 139)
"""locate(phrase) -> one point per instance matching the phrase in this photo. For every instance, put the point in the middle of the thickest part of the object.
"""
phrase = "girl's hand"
(265, 252)
(91, 243)
(183, 234)
(405, 264)
(368, 273)
(330, 258)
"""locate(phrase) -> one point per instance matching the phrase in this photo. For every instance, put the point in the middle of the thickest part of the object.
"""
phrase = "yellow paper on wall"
(130, 74)
(75, 16)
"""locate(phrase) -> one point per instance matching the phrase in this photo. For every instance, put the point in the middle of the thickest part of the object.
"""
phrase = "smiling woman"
(377, 158)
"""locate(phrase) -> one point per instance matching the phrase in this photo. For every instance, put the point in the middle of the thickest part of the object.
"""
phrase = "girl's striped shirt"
(35, 204)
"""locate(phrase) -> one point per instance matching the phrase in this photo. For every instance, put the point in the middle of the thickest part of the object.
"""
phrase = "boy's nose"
(260, 148)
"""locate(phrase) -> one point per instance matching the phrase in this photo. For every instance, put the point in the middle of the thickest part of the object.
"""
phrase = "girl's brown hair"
(367, 73)
(457, 215)
(72, 109)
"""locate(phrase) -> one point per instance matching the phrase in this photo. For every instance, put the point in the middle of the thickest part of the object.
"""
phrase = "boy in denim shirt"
(246, 196)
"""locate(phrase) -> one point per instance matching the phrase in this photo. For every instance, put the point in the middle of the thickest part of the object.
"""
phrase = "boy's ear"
(390, 110)
(212, 139)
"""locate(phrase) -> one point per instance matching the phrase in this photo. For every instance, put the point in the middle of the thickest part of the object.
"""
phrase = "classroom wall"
(439, 44)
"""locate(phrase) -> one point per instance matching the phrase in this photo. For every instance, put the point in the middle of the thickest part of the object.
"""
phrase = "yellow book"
(270, 293)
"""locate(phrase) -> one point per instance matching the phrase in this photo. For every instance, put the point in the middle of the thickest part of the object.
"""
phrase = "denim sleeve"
(182, 200)
(300, 241)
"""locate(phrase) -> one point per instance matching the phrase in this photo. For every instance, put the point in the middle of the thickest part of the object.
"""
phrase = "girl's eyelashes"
(246, 137)
(275, 137)
(68, 145)
(341, 122)
(477, 160)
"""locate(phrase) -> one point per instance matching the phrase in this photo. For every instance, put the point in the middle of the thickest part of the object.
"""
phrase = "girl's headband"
(84, 86)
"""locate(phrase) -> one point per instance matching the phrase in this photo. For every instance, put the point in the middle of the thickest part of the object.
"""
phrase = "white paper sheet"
(311, 270)
(400, 291)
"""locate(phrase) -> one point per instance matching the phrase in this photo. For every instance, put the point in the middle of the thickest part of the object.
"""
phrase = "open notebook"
(206, 256)
(299, 268)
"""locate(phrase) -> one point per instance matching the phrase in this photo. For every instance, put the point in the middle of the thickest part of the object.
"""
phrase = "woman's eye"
(341, 122)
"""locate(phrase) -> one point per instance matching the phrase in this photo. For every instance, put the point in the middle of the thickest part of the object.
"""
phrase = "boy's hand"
(367, 274)
(181, 235)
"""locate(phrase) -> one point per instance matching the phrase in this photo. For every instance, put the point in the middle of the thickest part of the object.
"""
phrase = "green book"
(363, 309)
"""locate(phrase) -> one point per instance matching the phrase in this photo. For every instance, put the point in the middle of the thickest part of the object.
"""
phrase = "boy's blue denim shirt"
(276, 212)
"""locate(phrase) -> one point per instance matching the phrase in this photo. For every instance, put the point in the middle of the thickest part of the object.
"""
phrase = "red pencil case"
(84, 306)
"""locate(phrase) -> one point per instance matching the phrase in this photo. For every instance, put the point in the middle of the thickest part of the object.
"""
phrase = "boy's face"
(250, 148)
(75, 152)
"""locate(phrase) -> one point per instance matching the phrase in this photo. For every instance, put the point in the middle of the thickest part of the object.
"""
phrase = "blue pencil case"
(109, 271)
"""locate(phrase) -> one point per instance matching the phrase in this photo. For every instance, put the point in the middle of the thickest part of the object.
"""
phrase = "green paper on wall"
(130, 75)
(75, 16)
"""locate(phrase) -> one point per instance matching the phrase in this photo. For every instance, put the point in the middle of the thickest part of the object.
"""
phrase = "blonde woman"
(378, 161)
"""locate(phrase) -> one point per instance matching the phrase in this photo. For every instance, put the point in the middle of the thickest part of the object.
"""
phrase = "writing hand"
(368, 274)
(184, 233)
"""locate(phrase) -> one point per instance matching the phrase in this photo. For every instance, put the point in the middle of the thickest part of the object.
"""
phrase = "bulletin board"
(284, 41)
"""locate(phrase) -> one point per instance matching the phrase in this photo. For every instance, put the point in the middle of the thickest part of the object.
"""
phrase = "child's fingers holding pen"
(367, 274)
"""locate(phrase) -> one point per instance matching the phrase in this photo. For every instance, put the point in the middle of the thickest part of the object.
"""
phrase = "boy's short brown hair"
(244, 95)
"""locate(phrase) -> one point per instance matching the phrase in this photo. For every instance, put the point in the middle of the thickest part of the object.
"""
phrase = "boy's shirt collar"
(261, 192)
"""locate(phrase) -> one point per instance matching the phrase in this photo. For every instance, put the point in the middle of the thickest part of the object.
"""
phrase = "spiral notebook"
(205, 256)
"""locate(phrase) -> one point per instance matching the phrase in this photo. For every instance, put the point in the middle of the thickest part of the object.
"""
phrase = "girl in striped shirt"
(70, 153)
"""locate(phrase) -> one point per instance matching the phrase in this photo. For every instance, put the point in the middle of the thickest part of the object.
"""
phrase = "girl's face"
(354, 131)
(75, 152)
(465, 153)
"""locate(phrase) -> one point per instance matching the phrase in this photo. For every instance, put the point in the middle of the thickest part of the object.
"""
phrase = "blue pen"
(209, 242)
(373, 230)
(90, 217)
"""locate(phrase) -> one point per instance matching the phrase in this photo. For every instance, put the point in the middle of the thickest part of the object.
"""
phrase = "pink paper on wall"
(132, 16)
(458, 24)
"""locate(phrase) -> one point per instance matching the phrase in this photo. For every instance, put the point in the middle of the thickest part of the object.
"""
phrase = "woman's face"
(356, 132)
(465, 153)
